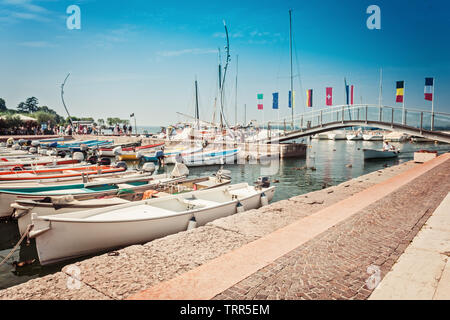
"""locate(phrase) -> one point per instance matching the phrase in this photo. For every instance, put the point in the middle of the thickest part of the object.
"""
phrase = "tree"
(3, 105)
(45, 117)
(32, 104)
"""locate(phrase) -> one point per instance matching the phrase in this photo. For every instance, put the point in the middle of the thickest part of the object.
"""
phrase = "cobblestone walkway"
(334, 265)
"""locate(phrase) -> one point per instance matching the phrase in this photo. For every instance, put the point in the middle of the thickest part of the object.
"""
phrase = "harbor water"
(327, 163)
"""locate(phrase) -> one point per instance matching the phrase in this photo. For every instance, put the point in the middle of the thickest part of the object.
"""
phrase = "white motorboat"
(373, 137)
(396, 137)
(379, 154)
(354, 136)
(322, 136)
(208, 158)
(81, 233)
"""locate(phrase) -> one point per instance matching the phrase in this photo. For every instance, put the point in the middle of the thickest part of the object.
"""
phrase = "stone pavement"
(423, 270)
(140, 267)
(333, 264)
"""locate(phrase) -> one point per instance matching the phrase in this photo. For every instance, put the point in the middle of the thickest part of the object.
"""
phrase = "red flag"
(329, 96)
(351, 95)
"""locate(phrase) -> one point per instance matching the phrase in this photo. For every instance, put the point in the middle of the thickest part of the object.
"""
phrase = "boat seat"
(200, 203)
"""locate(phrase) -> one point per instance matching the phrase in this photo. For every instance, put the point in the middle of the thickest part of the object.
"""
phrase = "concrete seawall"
(332, 267)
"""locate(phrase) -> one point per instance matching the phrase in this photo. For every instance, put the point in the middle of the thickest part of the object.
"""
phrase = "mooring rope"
(25, 234)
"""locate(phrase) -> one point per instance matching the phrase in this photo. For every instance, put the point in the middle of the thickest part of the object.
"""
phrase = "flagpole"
(432, 106)
(403, 113)
(290, 53)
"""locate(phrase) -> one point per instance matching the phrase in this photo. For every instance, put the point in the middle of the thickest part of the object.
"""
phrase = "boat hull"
(378, 154)
(58, 240)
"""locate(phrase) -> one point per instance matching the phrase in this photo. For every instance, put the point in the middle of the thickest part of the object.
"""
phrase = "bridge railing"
(421, 119)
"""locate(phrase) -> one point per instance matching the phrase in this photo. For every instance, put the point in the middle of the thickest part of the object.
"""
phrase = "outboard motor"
(21, 142)
(262, 182)
(10, 142)
(32, 150)
(121, 164)
(92, 159)
(104, 161)
(61, 154)
(35, 143)
(28, 143)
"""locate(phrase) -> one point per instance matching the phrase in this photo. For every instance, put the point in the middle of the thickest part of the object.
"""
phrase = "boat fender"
(240, 207)
(121, 164)
(78, 156)
(192, 223)
(264, 200)
(10, 141)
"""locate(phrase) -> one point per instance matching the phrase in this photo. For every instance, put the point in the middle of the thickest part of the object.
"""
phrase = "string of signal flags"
(349, 94)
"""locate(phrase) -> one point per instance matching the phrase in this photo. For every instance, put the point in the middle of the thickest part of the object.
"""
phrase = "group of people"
(125, 130)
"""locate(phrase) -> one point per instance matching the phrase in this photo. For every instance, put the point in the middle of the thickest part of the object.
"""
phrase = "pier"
(320, 245)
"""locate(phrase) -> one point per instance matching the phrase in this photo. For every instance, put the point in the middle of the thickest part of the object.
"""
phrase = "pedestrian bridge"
(427, 124)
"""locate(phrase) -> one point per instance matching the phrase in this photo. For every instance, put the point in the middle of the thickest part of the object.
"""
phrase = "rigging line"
(299, 77)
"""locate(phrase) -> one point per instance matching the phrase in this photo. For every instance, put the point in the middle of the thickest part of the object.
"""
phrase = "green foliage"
(113, 121)
(11, 121)
(3, 105)
(44, 117)
(30, 105)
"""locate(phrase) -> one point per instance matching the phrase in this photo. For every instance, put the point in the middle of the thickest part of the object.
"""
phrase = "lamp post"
(135, 127)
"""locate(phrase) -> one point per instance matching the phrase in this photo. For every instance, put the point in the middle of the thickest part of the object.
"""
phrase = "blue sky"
(143, 56)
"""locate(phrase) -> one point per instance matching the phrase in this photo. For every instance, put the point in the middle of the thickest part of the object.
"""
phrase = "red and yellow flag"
(400, 91)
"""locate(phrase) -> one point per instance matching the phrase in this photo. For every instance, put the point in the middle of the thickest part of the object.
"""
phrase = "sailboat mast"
(235, 98)
(197, 116)
(381, 88)
(292, 81)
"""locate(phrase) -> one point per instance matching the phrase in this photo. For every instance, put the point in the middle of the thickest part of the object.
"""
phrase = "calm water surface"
(328, 157)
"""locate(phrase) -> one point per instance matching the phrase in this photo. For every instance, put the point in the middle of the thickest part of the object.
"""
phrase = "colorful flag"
(275, 100)
(329, 96)
(309, 98)
(429, 89)
(400, 91)
(351, 95)
(346, 91)
(291, 100)
(260, 97)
